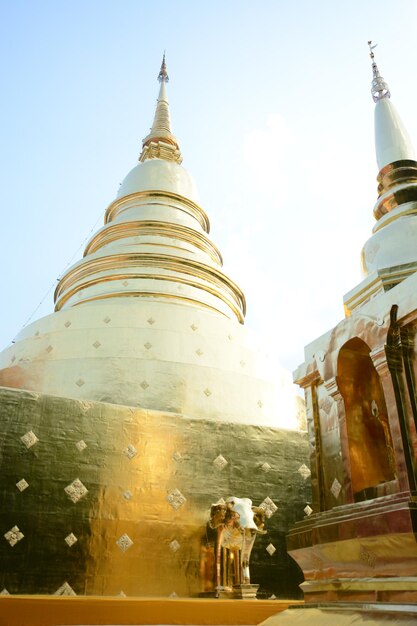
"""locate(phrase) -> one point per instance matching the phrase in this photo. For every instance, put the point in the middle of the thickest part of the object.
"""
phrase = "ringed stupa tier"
(140, 402)
(148, 317)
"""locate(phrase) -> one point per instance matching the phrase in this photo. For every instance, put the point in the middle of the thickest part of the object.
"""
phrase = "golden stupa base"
(16, 610)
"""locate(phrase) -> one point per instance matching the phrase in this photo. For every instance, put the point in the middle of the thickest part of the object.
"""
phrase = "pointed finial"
(163, 74)
(379, 88)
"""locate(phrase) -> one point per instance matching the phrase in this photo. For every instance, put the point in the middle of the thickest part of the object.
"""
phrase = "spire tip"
(379, 88)
(163, 74)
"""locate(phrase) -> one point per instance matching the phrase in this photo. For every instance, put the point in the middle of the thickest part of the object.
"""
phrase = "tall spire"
(161, 143)
(392, 142)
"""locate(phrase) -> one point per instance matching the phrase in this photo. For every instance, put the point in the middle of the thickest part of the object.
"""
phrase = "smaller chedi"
(237, 523)
(359, 378)
(139, 400)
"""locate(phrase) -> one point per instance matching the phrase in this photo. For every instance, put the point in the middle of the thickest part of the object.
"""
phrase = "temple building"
(359, 380)
(139, 403)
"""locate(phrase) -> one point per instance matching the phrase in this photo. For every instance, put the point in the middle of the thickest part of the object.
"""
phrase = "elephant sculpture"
(237, 523)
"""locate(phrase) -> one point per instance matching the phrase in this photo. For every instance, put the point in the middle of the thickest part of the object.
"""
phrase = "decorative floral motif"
(220, 462)
(71, 539)
(76, 490)
(124, 542)
(336, 488)
(130, 451)
(176, 499)
(22, 484)
(13, 536)
(269, 507)
(29, 439)
(174, 546)
(271, 549)
(81, 445)
(304, 471)
(65, 590)
(265, 467)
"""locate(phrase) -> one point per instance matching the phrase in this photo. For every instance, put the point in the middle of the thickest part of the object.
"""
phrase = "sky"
(271, 103)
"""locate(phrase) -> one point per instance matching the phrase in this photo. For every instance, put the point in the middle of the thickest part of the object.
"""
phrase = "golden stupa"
(138, 403)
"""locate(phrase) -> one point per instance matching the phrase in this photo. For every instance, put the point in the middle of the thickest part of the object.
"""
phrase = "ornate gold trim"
(221, 284)
(115, 231)
(186, 205)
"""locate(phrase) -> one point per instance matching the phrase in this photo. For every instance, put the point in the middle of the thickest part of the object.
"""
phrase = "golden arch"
(369, 436)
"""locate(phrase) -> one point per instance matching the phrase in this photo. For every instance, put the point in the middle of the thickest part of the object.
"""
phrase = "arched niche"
(369, 436)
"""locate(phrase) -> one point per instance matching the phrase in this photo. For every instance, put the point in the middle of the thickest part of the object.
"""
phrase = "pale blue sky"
(271, 103)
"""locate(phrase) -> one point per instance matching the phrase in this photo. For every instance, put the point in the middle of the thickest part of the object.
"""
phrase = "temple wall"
(136, 516)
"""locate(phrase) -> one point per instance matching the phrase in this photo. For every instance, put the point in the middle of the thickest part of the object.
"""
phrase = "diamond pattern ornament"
(71, 539)
(29, 439)
(127, 495)
(207, 392)
(150, 321)
(308, 510)
(144, 385)
(124, 542)
(22, 484)
(177, 456)
(271, 549)
(81, 445)
(125, 283)
(199, 352)
(49, 348)
(67, 324)
(80, 382)
(269, 507)
(304, 471)
(65, 590)
(96, 344)
(174, 546)
(260, 404)
(194, 327)
(130, 451)
(220, 462)
(147, 345)
(336, 488)
(76, 490)
(176, 499)
(107, 319)
(265, 467)
(13, 536)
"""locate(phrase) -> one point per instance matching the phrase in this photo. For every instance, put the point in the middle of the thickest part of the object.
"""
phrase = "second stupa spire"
(160, 143)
